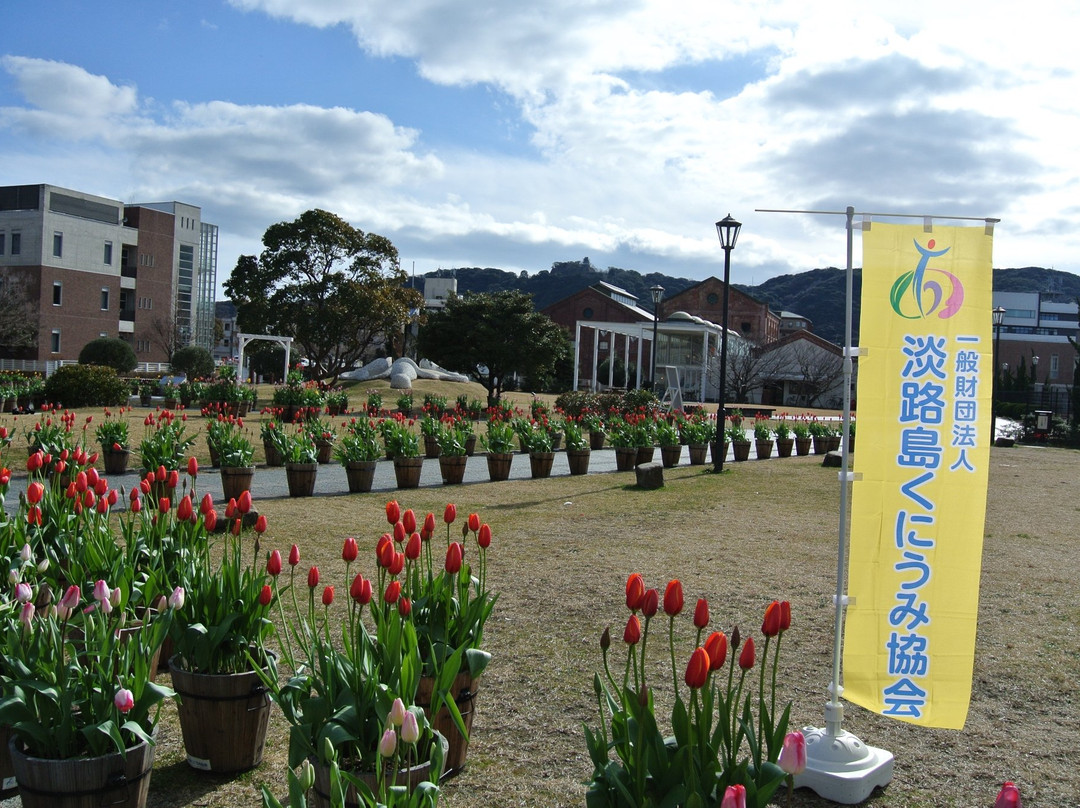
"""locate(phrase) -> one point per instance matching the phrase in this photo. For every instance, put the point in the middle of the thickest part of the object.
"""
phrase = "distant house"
(803, 370)
(226, 349)
(790, 322)
(749, 318)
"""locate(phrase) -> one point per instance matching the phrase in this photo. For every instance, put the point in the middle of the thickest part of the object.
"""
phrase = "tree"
(330, 286)
(493, 335)
(165, 333)
(749, 367)
(820, 371)
(194, 362)
(110, 352)
(18, 314)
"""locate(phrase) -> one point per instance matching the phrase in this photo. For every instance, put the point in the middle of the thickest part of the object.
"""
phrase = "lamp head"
(728, 231)
(999, 315)
(657, 294)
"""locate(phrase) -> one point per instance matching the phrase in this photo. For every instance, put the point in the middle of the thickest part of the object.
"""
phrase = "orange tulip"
(697, 669)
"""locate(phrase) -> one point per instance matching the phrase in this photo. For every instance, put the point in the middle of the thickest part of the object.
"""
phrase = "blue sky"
(516, 135)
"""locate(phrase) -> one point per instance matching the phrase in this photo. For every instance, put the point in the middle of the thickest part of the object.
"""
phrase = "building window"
(108, 253)
(711, 298)
(58, 244)
(3, 236)
(57, 293)
(1053, 366)
(16, 242)
(587, 312)
(56, 340)
(104, 299)
(746, 327)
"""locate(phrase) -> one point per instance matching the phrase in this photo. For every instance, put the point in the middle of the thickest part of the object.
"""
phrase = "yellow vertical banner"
(919, 499)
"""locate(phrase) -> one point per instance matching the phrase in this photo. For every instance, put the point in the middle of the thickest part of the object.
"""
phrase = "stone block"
(650, 475)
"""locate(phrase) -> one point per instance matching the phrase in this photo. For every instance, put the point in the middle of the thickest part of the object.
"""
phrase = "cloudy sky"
(509, 134)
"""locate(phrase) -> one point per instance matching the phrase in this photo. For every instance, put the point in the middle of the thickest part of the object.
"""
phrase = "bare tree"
(165, 333)
(820, 370)
(18, 314)
(749, 367)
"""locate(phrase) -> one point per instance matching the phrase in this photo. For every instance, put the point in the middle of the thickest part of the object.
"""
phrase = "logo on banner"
(925, 291)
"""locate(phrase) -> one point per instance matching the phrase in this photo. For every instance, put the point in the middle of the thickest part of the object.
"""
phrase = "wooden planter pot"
(301, 478)
(464, 691)
(499, 466)
(452, 468)
(698, 453)
(802, 446)
(223, 718)
(645, 454)
(722, 451)
(596, 440)
(116, 461)
(578, 460)
(741, 449)
(360, 475)
(540, 463)
(763, 448)
(273, 456)
(235, 480)
(431, 447)
(325, 451)
(115, 779)
(407, 470)
(671, 455)
(784, 446)
(625, 458)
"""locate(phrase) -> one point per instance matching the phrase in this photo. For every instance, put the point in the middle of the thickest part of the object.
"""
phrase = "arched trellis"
(285, 342)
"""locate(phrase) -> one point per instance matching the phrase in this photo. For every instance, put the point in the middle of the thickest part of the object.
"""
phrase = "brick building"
(747, 317)
(92, 266)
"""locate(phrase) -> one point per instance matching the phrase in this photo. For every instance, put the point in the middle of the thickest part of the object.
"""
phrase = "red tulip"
(716, 648)
(399, 532)
(785, 615)
(236, 527)
(412, 549)
(184, 511)
(673, 598)
(89, 498)
(397, 565)
(632, 632)
(1008, 797)
(770, 626)
(35, 461)
(349, 550)
(360, 590)
(450, 514)
(206, 504)
(173, 479)
(209, 521)
(313, 577)
(82, 482)
(113, 497)
(650, 604)
(454, 557)
(635, 591)
(404, 607)
(386, 551)
(746, 656)
(408, 521)
(393, 511)
(243, 502)
(192, 467)
(294, 556)
(474, 522)
(33, 514)
(701, 613)
(164, 505)
(273, 564)
(393, 591)
(328, 596)
(34, 492)
(266, 595)
(697, 669)
(734, 797)
(260, 524)
(429, 525)
(136, 504)
(483, 537)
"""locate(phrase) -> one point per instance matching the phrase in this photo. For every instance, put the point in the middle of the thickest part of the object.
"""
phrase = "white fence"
(49, 367)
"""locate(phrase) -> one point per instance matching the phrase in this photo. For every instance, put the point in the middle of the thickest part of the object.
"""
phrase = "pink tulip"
(397, 712)
(793, 754)
(26, 616)
(101, 591)
(176, 599)
(410, 730)
(124, 700)
(388, 743)
(734, 797)
(23, 592)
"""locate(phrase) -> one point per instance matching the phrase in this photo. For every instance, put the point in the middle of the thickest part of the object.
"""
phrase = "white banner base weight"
(841, 768)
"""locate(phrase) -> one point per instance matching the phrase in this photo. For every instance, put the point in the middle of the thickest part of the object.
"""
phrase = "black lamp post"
(999, 317)
(728, 231)
(657, 296)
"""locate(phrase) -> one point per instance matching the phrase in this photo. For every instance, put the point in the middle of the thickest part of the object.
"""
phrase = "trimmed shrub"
(111, 352)
(86, 386)
(576, 402)
(194, 361)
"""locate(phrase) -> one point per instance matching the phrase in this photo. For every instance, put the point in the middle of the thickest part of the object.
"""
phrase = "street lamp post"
(657, 296)
(999, 317)
(728, 231)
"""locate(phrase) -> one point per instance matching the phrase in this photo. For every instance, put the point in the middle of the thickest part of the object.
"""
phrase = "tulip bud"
(701, 613)
(1008, 797)
(734, 797)
(388, 743)
(176, 599)
(393, 512)
(307, 775)
(23, 592)
(26, 616)
(635, 591)
(273, 563)
(397, 712)
(483, 537)
(124, 700)
(605, 639)
(260, 524)
(735, 639)
(313, 577)
(716, 648)
(454, 555)
(474, 522)
(793, 753)
(266, 594)
(450, 513)
(404, 607)
(349, 550)
(328, 596)
(650, 603)
(410, 729)
(408, 521)
(697, 669)
(770, 626)
(746, 656)
(243, 503)
(412, 549)
(785, 615)
(294, 556)
(632, 632)
(673, 598)
(429, 525)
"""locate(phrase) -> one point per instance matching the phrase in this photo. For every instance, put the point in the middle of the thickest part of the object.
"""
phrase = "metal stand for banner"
(839, 766)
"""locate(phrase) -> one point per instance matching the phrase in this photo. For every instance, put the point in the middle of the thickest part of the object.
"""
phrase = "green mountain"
(818, 294)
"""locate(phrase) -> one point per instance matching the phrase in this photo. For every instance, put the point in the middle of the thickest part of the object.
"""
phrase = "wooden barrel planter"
(499, 466)
(698, 453)
(821, 444)
(215, 455)
(670, 455)
(740, 449)
(784, 446)
(578, 460)
(324, 451)
(452, 468)
(464, 691)
(301, 478)
(235, 480)
(223, 718)
(470, 445)
(596, 440)
(410, 778)
(115, 460)
(540, 464)
(273, 456)
(432, 448)
(713, 451)
(802, 446)
(407, 470)
(116, 779)
(8, 786)
(625, 458)
(645, 455)
(763, 449)
(360, 474)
